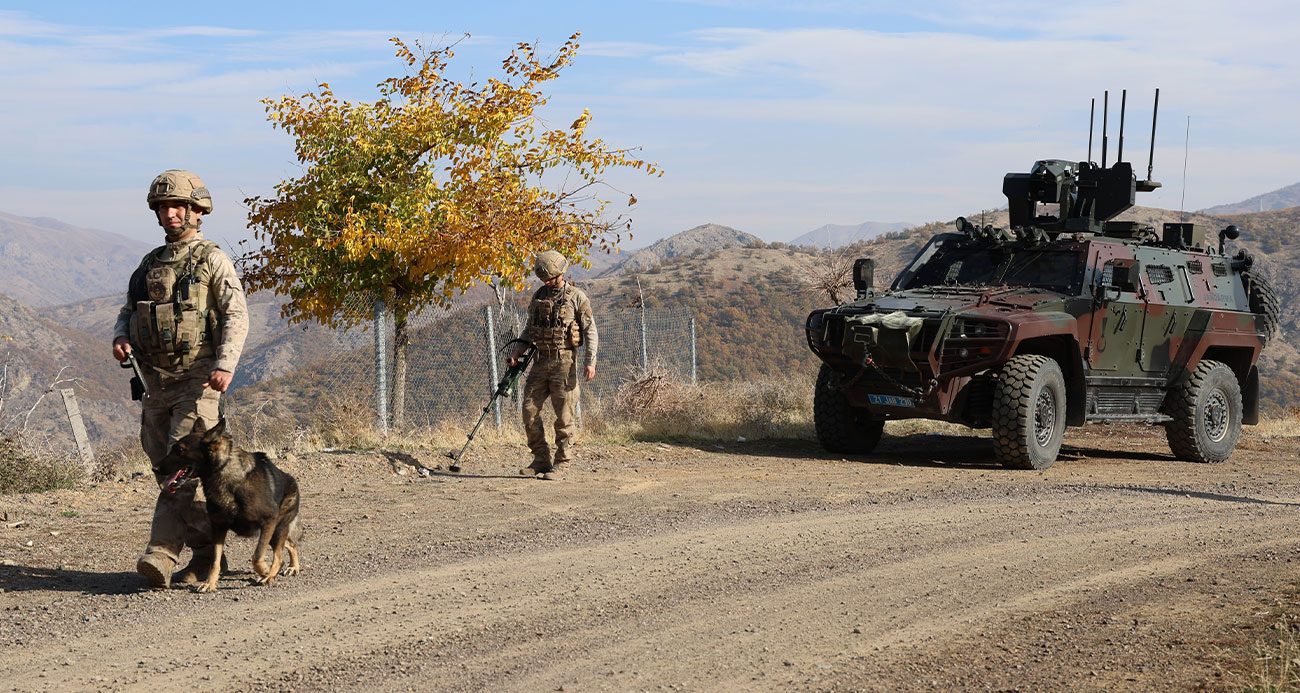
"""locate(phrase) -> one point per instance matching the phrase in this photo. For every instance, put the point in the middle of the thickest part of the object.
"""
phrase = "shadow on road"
(26, 578)
(1206, 495)
(397, 460)
(918, 450)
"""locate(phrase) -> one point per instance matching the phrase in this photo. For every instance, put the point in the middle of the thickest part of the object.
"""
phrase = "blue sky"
(770, 120)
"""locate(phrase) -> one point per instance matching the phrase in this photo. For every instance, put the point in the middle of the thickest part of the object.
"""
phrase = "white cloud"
(773, 130)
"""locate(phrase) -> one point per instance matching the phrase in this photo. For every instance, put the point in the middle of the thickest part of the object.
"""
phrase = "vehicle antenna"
(1105, 113)
(1092, 115)
(1123, 101)
(1186, 138)
(1151, 160)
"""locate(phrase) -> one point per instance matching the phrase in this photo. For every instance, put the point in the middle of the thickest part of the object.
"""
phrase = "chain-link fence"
(455, 356)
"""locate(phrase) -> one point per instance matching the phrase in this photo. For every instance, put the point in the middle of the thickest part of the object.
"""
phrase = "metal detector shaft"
(455, 465)
(503, 389)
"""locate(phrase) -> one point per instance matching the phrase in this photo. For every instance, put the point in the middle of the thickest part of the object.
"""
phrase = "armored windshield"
(957, 260)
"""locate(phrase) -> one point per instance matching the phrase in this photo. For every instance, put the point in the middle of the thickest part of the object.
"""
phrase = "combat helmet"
(181, 186)
(550, 265)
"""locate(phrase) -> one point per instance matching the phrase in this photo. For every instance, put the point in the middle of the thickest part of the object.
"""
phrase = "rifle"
(504, 388)
(138, 389)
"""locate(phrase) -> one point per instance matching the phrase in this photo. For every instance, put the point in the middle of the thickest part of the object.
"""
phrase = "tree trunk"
(401, 340)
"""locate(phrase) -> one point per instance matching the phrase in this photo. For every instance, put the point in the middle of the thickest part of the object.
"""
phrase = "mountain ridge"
(45, 262)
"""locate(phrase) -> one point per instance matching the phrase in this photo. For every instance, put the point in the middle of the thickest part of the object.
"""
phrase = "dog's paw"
(207, 587)
(290, 570)
(264, 580)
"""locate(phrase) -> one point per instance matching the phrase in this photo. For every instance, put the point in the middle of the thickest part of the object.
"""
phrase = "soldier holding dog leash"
(184, 321)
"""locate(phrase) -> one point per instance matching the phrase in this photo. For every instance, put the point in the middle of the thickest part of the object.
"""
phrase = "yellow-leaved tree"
(434, 187)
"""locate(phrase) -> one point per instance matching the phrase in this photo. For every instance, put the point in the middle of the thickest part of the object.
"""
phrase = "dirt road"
(754, 566)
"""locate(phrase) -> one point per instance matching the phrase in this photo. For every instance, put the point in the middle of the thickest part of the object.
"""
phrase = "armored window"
(1159, 274)
(1194, 266)
(1220, 269)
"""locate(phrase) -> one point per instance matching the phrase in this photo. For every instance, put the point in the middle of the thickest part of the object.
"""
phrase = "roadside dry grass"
(28, 465)
(1268, 660)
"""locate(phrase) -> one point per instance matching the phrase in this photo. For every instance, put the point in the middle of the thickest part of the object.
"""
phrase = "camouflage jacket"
(222, 295)
(560, 319)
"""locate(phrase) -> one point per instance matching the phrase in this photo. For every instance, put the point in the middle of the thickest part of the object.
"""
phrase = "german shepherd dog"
(245, 492)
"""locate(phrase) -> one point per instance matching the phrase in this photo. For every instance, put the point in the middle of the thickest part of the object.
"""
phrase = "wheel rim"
(1044, 418)
(1217, 416)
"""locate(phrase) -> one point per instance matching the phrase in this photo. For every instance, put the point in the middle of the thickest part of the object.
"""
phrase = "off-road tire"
(1028, 417)
(1263, 301)
(1205, 406)
(842, 427)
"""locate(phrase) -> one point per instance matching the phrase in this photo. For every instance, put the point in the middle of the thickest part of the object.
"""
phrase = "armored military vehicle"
(1066, 317)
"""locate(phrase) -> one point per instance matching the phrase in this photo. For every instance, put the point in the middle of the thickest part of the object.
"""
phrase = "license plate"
(891, 401)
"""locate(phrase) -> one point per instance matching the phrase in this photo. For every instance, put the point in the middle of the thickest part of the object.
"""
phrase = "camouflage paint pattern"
(1181, 304)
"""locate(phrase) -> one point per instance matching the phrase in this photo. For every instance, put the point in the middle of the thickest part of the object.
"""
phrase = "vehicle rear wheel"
(1206, 410)
(842, 427)
(1028, 415)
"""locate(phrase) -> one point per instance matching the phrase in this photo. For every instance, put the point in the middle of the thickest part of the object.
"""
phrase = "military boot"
(537, 468)
(198, 569)
(156, 569)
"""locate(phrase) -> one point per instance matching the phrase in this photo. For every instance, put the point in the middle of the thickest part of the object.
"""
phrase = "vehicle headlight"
(966, 328)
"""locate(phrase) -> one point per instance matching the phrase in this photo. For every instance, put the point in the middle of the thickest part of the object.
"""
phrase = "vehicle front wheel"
(1205, 407)
(1028, 415)
(842, 427)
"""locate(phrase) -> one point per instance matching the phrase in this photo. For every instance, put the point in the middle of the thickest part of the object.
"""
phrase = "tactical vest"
(173, 324)
(553, 320)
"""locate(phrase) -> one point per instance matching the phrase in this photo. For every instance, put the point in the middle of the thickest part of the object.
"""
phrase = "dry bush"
(119, 460)
(30, 465)
(1286, 426)
(656, 405)
(831, 277)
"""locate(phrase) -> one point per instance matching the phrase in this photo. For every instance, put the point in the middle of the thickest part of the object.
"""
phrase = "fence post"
(693, 350)
(78, 428)
(381, 364)
(645, 360)
(492, 364)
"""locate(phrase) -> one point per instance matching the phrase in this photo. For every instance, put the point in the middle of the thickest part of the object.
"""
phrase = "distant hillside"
(33, 353)
(705, 237)
(1278, 199)
(44, 262)
(836, 235)
(96, 317)
(749, 305)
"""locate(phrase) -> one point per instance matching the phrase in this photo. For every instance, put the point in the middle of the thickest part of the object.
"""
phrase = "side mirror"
(1230, 233)
(864, 275)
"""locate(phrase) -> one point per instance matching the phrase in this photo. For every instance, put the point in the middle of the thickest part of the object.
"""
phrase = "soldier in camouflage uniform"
(559, 321)
(185, 319)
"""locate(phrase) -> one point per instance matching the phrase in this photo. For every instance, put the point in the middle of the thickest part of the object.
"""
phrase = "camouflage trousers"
(179, 519)
(553, 375)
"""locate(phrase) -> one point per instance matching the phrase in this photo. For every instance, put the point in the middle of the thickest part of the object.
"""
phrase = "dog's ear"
(217, 430)
(199, 426)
